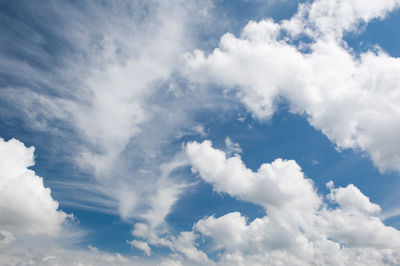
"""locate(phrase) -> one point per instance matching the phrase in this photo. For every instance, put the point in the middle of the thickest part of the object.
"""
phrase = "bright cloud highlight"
(306, 61)
(26, 205)
(299, 227)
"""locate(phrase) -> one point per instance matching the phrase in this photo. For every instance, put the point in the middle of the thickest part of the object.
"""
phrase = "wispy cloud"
(105, 92)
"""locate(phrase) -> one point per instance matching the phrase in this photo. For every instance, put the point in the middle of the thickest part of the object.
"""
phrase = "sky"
(200, 132)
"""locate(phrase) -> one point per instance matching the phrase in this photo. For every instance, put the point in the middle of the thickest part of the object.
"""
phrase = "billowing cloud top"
(353, 99)
(299, 229)
(26, 204)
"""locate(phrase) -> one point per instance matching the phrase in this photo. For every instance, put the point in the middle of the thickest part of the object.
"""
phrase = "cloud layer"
(111, 98)
(353, 99)
(117, 87)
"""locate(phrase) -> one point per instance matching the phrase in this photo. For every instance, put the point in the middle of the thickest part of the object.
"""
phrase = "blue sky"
(200, 133)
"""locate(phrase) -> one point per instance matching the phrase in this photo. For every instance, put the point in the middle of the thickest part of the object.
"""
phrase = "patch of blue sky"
(232, 16)
(104, 231)
(34, 35)
(286, 136)
(381, 32)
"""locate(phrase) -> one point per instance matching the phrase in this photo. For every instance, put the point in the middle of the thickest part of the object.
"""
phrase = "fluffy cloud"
(299, 227)
(352, 99)
(334, 18)
(352, 198)
(278, 184)
(26, 205)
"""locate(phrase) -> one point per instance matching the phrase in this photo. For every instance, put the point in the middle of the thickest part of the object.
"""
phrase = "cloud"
(112, 91)
(6, 238)
(324, 18)
(171, 262)
(351, 197)
(55, 256)
(232, 148)
(107, 96)
(352, 98)
(299, 227)
(26, 204)
(182, 244)
(141, 245)
(185, 244)
(279, 184)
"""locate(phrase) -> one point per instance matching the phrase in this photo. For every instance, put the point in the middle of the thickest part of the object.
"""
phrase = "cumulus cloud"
(278, 184)
(299, 227)
(352, 198)
(26, 205)
(334, 18)
(352, 98)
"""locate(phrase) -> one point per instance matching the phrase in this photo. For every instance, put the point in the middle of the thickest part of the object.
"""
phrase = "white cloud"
(107, 98)
(26, 205)
(183, 244)
(278, 184)
(352, 99)
(171, 262)
(351, 197)
(334, 18)
(141, 245)
(200, 130)
(232, 147)
(299, 228)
